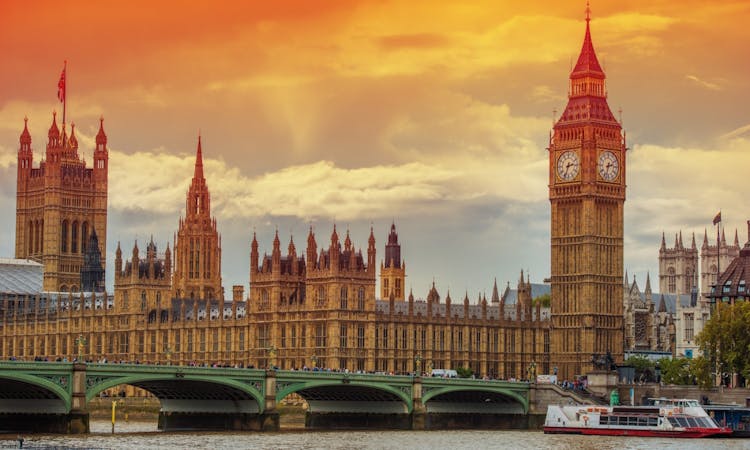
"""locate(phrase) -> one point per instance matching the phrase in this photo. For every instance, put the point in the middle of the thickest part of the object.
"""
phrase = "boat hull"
(687, 433)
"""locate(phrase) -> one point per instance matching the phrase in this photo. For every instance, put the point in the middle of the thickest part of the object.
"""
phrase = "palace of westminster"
(321, 307)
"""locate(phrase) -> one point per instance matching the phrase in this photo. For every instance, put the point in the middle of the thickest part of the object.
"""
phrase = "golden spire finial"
(588, 11)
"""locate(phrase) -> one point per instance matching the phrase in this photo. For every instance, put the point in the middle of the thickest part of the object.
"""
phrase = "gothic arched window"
(64, 236)
(361, 298)
(671, 281)
(321, 298)
(84, 236)
(74, 237)
(344, 298)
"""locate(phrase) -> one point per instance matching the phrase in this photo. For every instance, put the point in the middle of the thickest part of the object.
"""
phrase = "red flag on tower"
(61, 86)
(717, 219)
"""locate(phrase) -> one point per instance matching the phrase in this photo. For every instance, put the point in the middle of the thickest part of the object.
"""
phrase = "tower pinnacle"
(198, 174)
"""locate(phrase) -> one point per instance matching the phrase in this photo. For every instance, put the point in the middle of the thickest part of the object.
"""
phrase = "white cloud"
(703, 83)
(737, 132)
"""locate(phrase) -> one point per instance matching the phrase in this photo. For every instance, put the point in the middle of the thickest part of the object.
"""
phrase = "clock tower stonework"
(587, 196)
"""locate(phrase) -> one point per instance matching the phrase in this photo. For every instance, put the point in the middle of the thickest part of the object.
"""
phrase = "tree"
(544, 299)
(644, 368)
(675, 371)
(464, 372)
(700, 369)
(725, 339)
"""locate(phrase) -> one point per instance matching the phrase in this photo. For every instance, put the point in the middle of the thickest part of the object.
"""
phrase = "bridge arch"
(27, 393)
(188, 392)
(349, 395)
(476, 399)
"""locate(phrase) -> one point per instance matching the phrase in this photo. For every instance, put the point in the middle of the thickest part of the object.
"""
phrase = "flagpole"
(65, 89)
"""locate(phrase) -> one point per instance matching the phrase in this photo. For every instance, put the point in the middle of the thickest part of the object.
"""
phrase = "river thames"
(142, 435)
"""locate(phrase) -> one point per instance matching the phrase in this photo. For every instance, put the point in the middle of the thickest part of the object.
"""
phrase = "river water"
(143, 435)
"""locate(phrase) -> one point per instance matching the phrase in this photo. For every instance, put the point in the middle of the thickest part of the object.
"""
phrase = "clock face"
(608, 166)
(568, 165)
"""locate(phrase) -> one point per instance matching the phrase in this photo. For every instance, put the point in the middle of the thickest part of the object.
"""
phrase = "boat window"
(673, 421)
(653, 421)
(682, 421)
(692, 422)
(643, 421)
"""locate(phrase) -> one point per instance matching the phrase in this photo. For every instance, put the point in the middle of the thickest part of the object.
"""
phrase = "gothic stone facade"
(59, 204)
(649, 325)
(316, 309)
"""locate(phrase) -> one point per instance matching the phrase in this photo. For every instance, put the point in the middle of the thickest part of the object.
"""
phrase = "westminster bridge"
(53, 397)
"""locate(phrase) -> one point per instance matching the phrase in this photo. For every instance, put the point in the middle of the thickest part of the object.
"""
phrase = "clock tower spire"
(587, 196)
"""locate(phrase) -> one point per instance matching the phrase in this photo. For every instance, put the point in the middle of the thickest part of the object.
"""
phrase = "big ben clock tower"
(587, 196)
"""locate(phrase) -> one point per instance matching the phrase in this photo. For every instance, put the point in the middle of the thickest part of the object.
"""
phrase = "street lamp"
(314, 359)
(417, 364)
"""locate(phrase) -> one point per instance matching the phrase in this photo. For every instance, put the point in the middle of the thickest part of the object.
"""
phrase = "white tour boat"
(665, 418)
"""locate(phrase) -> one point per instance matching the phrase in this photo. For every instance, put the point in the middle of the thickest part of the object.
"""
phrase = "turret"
(292, 256)
(312, 250)
(25, 154)
(276, 255)
(118, 261)
(168, 262)
(371, 251)
(334, 250)
(53, 135)
(72, 140)
(495, 294)
(393, 249)
(253, 257)
(151, 258)
(101, 154)
(135, 262)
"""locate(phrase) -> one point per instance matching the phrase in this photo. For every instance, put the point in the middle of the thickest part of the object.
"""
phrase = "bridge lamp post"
(417, 364)
(314, 359)
(532, 372)
(80, 344)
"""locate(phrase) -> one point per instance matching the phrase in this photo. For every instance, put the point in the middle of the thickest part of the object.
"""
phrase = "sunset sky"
(435, 115)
